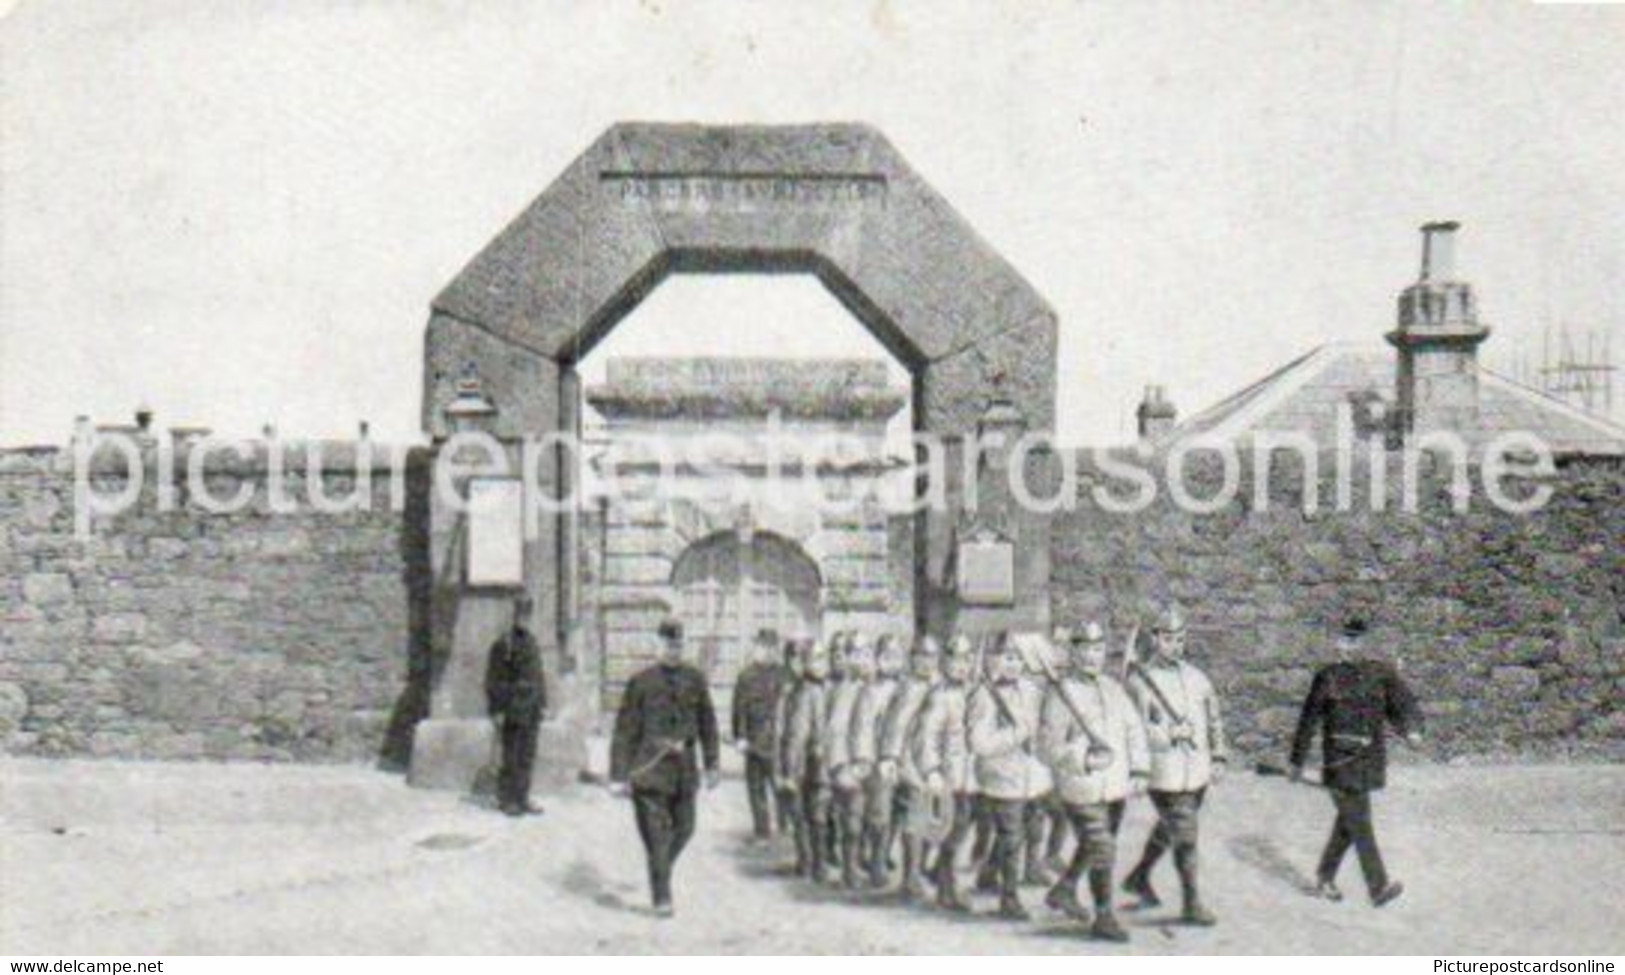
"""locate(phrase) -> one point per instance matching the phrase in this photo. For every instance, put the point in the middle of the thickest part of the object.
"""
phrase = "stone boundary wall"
(1511, 628)
(191, 635)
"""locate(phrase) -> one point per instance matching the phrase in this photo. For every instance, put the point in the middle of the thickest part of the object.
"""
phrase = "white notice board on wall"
(987, 572)
(496, 535)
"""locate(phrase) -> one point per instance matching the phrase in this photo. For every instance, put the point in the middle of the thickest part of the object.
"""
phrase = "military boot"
(1195, 912)
(849, 863)
(1108, 928)
(1138, 883)
(1063, 899)
(1035, 872)
(1011, 908)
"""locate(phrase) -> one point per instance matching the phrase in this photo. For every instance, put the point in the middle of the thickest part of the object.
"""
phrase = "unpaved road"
(151, 858)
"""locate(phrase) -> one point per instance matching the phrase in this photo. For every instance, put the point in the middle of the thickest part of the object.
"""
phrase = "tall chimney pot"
(1439, 250)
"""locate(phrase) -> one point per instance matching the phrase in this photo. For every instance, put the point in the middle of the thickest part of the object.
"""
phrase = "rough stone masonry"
(303, 637)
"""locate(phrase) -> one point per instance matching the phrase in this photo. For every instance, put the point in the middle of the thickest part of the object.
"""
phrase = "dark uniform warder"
(756, 698)
(1351, 703)
(516, 697)
(665, 718)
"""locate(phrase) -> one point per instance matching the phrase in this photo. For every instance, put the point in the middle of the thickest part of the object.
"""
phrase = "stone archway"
(648, 200)
(726, 587)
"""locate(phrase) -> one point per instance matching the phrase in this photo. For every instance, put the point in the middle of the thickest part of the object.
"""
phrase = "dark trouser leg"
(1058, 825)
(1009, 818)
(880, 815)
(815, 822)
(1354, 816)
(1156, 845)
(1039, 826)
(1095, 826)
(1101, 838)
(1178, 813)
(982, 816)
(1079, 865)
(947, 868)
(683, 815)
(518, 756)
(1337, 844)
(654, 815)
(798, 828)
(849, 807)
(784, 804)
(758, 779)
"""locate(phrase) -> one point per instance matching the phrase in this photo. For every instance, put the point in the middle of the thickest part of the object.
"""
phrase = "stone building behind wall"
(730, 540)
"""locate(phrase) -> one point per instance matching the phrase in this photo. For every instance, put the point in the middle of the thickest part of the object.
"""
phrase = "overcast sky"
(239, 212)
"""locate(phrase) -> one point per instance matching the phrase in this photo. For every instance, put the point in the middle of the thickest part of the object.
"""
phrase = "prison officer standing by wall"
(665, 718)
(516, 697)
(756, 698)
(1351, 702)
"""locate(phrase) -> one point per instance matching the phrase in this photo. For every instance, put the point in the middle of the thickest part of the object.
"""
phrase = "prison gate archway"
(728, 587)
(648, 200)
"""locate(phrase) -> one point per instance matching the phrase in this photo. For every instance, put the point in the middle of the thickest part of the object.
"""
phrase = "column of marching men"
(1000, 762)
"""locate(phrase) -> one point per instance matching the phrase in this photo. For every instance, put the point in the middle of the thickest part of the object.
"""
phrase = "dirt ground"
(149, 858)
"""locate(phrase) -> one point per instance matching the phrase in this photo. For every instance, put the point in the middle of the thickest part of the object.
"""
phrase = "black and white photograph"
(873, 477)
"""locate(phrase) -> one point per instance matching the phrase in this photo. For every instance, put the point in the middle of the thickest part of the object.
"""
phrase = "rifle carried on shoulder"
(1035, 659)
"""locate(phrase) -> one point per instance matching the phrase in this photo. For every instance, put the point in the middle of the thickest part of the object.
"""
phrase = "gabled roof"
(1304, 395)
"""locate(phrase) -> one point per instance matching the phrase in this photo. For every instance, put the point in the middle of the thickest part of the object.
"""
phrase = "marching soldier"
(1351, 703)
(1186, 737)
(784, 800)
(846, 774)
(897, 731)
(942, 760)
(756, 693)
(516, 697)
(1003, 725)
(1093, 779)
(1059, 825)
(665, 718)
(1042, 805)
(878, 790)
(840, 651)
(802, 761)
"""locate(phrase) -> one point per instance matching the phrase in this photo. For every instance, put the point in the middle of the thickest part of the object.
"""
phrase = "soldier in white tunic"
(1093, 779)
(942, 760)
(1003, 730)
(1186, 736)
(875, 840)
(898, 730)
(846, 771)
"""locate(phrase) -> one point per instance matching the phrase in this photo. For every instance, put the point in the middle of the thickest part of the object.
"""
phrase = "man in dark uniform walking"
(665, 719)
(1351, 702)
(754, 726)
(515, 698)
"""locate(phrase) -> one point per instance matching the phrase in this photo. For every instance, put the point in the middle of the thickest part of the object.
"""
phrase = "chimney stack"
(1439, 250)
(1156, 415)
(1438, 338)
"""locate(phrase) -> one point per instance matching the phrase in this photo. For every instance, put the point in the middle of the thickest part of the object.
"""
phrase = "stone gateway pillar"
(648, 200)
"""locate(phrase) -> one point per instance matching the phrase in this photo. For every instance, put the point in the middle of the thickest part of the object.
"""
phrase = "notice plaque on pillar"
(987, 572)
(496, 532)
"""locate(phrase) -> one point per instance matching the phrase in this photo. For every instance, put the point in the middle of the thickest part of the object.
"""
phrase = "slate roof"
(1303, 396)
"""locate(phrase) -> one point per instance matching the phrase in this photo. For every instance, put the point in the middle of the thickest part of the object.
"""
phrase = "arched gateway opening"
(645, 201)
(731, 584)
